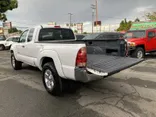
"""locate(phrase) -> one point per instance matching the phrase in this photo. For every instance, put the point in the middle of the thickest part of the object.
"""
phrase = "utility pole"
(70, 18)
(96, 7)
(96, 3)
(93, 11)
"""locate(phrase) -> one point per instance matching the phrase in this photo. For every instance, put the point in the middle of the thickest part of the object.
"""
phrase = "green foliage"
(13, 30)
(75, 31)
(124, 25)
(3, 17)
(151, 16)
(137, 20)
(20, 31)
(6, 5)
(84, 32)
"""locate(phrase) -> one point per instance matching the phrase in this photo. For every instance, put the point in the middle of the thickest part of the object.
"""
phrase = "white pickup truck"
(57, 53)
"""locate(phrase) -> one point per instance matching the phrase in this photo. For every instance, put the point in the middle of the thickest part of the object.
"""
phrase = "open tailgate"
(105, 65)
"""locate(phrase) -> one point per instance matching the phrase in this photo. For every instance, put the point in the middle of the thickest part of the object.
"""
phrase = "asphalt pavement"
(130, 93)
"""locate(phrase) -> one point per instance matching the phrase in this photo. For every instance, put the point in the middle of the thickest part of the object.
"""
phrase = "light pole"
(96, 4)
(70, 18)
(93, 11)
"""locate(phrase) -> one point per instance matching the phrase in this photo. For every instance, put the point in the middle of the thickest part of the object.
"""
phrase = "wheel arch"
(142, 46)
(51, 57)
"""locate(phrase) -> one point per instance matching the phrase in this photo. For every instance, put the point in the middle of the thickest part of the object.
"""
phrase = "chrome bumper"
(82, 75)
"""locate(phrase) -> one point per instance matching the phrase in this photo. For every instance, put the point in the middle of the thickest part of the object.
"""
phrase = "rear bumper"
(82, 75)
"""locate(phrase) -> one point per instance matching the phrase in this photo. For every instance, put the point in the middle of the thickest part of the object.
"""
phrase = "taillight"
(81, 59)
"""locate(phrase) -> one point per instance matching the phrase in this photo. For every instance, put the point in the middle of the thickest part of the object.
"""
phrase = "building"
(106, 28)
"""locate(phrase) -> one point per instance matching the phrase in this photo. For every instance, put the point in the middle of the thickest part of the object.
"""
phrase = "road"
(130, 93)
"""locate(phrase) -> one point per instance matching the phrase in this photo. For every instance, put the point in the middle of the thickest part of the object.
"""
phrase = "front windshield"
(79, 37)
(15, 39)
(134, 34)
(2, 38)
(90, 36)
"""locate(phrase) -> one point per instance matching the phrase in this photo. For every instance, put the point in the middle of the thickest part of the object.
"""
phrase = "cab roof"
(49, 26)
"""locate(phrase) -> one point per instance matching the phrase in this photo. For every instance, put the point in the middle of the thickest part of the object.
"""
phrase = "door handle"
(23, 46)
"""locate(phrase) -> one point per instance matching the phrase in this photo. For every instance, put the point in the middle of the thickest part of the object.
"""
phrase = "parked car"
(80, 36)
(104, 36)
(141, 42)
(60, 57)
(11, 40)
(2, 42)
(6, 43)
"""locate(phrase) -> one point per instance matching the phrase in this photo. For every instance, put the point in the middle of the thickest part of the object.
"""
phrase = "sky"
(34, 12)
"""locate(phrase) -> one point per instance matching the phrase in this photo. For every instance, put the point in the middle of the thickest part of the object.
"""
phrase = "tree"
(20, 31)
(137, 20)
(84, 32)
(13, 30)
(75, 31)
(6, 5)
(151, 16)
(124, 25)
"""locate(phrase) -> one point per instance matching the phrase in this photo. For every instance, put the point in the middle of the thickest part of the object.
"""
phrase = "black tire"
(9, 47)
(57, 88)
(2, 47)
(17, 65)
(137, 51)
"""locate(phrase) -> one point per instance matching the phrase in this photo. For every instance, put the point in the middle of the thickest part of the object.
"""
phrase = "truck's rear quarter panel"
(67, 53)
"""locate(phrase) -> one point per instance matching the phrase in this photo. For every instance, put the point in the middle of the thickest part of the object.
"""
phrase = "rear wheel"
(139, 53)
(51, 80)
(17, 65)
(2, 47)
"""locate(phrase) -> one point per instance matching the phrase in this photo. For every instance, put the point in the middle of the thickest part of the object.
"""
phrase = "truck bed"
(110, 64)
(104, 57)
(107, 57)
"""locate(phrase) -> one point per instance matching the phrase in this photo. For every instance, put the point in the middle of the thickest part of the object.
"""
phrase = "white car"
(11, 40)
(2, 42)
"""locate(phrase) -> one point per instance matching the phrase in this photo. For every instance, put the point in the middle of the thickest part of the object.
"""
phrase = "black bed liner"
(110, 64)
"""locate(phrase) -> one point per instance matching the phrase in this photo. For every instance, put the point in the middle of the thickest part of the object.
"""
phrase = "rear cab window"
(50, 34)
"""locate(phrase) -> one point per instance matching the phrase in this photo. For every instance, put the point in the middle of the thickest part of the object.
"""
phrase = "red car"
(141, 42)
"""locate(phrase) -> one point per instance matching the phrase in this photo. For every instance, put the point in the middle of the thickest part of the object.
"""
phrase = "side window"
(151, 34)
(15, 39)
(23, 37)
(10, 39)
(30, 36)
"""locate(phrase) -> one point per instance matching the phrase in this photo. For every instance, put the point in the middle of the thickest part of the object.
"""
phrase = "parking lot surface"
(130, 93)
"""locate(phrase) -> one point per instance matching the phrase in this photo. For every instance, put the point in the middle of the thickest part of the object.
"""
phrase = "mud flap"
(105, 65)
